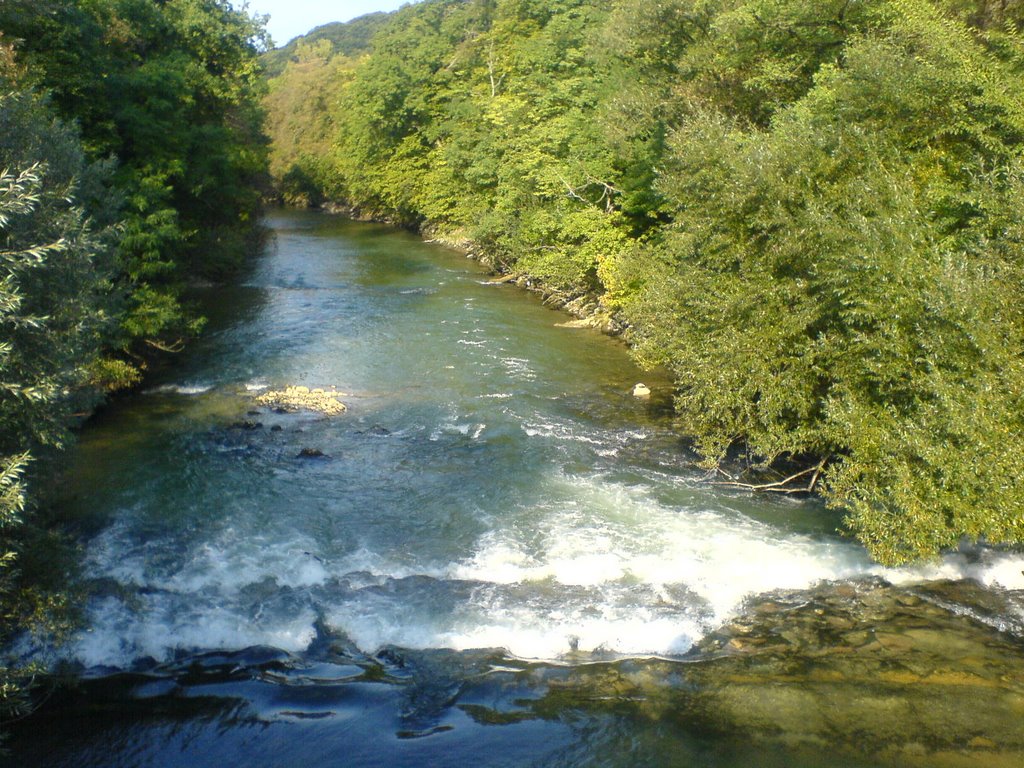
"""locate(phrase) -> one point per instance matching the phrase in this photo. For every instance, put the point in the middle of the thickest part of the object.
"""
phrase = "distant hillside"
(348, 38)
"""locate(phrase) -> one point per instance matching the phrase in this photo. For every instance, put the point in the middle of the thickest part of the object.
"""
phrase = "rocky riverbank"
(587, 308)
(902, 673)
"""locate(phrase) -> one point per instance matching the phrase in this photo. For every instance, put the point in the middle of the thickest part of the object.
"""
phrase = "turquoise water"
(495, 508)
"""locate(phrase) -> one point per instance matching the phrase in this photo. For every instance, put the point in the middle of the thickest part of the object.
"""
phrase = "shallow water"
(494, 485)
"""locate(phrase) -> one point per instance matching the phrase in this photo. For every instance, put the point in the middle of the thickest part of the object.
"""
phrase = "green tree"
(172, 90)
(844, 284)
(54, 312)
(301, 107)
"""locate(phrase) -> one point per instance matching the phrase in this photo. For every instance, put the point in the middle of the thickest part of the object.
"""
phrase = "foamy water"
(605, 568)
(179, 389)
(496, 487)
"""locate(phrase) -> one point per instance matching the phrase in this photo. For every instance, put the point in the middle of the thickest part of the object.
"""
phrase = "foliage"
(842, 284)
(130, 149)
(806, 211)
(12, 505)
(53, 313)
(299, 120)
(54, 267)
(172, 90)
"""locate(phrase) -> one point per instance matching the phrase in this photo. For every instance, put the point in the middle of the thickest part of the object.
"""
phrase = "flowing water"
(494, 515)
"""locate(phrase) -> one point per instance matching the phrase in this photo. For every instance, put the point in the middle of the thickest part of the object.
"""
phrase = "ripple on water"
(598, 567)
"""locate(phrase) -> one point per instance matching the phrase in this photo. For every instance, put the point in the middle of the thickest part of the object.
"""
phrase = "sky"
(290, 18)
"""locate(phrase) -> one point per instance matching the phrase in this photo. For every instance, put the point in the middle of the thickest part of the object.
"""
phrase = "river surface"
(494, 515)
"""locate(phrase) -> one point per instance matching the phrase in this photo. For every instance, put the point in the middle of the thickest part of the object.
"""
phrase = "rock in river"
(923, 675)
(292, 399)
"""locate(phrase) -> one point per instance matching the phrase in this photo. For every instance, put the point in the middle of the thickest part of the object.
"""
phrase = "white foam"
(518, 367)
(119, 635)
(547, 638)
(559, 432)
(230, 561)
(607, 443)
(227, 567)
(617, 533)
(993, 568)
(454, 424)
(596, 566)
(376, 568)
(179, 389)
(617, 537)
(1006, 572)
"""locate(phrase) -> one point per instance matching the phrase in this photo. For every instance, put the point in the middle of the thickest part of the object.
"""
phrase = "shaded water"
(494, 485)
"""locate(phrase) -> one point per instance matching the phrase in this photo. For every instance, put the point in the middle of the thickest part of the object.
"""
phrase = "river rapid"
(500, 556)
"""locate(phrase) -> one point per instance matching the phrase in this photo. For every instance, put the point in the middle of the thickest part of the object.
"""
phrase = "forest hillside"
(808, 212)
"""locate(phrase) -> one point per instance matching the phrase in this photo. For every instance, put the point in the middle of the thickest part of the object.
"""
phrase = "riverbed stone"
(928, 674)
(247, 425)
(299, 398)
(895, 675)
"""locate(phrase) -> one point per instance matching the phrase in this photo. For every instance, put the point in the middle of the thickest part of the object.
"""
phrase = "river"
(501, 557)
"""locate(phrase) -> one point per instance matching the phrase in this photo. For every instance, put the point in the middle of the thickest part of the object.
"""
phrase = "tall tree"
(172, 90)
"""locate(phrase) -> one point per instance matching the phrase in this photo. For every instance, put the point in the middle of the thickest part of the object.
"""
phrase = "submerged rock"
(311, 453)
(246, 425)
(869, 667)
(376, 430)
(293, 399)
(600, 322)
(894, 676)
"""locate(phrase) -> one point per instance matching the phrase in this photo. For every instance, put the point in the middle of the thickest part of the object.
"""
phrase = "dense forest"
(808, 212)
(131, 162)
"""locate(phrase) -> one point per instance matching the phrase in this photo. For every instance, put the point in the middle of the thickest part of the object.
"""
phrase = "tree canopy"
(808, 212)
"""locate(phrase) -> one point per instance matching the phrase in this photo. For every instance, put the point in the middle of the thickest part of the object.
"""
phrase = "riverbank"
(587, 308)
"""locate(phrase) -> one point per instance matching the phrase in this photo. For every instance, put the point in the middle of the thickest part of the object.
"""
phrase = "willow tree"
(54, 310)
